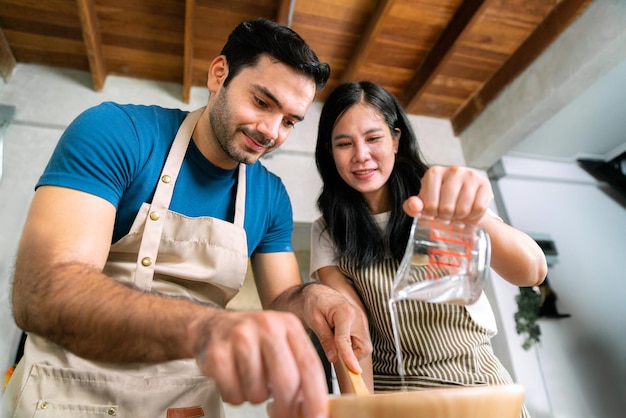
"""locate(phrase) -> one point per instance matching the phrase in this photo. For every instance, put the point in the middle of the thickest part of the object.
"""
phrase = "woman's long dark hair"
(351, 226)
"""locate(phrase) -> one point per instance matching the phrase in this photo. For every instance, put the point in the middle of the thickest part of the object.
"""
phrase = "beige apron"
(200, 258)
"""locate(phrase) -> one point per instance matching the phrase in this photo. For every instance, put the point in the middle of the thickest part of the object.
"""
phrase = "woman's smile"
(364, 174)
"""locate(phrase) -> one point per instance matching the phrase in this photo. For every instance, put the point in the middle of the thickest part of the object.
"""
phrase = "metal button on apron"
(146, 261)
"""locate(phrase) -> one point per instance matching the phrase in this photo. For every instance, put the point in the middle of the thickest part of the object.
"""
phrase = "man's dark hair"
(253, 38)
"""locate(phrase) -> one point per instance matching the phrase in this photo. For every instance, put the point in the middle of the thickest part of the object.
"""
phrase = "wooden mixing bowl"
(501, 401)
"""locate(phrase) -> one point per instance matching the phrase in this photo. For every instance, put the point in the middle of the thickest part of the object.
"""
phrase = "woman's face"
(364, 149)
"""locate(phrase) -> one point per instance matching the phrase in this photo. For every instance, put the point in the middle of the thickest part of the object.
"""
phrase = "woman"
(373, 176)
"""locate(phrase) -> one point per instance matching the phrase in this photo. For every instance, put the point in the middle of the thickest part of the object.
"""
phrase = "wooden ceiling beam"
(284, 10)
(466, 15)
(7, 60)
(93, 42)
(190, 8)
(559, 19)
(366, 43)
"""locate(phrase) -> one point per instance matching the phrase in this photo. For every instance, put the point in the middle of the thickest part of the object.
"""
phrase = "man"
(138, 235)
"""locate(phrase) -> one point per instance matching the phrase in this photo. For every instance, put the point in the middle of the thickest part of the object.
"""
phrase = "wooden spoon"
(356, 380)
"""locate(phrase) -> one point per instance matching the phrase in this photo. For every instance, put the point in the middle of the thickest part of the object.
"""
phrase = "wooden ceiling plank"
(368, 39)
(466, 15)
(7, 60)
(377, 39)
(559, 19)
(92, 40)
(190, 8)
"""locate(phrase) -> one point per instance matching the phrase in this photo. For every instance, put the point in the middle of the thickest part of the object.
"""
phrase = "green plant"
(528, 303)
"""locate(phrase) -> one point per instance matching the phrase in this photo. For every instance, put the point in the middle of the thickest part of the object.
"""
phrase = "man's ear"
(218, 71)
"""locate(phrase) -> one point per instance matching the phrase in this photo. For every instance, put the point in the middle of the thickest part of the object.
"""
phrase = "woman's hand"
(462, 194)
(452, 193)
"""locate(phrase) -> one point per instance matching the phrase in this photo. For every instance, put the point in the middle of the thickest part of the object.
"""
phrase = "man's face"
(258, 109)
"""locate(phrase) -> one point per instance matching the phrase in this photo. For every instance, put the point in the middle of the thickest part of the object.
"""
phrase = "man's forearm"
(96, 317)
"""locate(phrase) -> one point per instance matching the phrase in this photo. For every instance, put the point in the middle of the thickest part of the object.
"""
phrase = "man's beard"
(221, 122)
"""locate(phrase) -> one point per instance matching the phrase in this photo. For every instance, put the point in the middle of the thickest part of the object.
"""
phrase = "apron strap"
(153, 228)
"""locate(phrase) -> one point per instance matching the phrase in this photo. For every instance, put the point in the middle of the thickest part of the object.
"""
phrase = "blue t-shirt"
(117, 152)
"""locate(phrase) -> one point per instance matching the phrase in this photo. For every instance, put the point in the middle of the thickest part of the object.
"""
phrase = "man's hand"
(340, 326)
(255, 355)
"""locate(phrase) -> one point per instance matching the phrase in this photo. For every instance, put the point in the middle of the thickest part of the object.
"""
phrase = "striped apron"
(442, 345)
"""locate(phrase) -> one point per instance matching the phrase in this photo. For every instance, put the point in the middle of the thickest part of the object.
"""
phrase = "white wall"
(581, 359)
